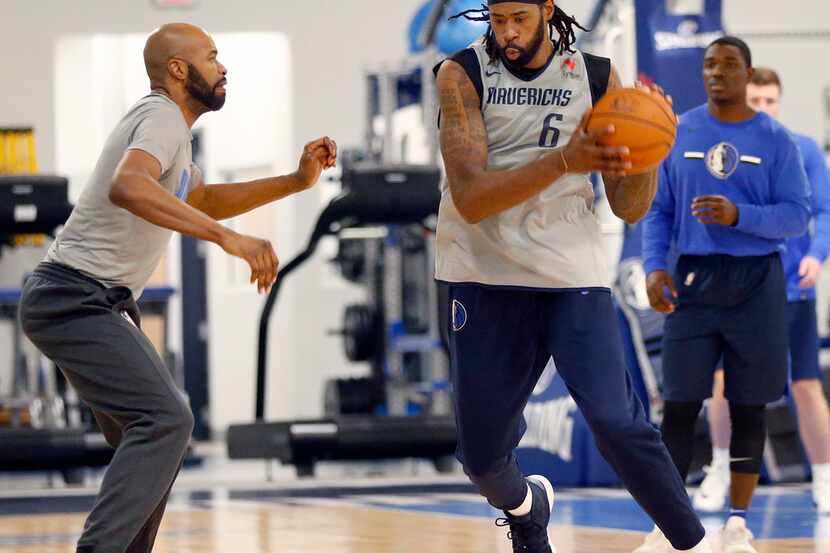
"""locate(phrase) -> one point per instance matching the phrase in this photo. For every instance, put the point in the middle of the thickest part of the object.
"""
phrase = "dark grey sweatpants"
(80, 325)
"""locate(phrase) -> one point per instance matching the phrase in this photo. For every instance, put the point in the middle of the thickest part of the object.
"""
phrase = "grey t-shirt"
(109, 243)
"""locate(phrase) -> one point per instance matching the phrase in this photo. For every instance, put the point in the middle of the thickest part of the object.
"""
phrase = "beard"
(202, 92)
(526, 54)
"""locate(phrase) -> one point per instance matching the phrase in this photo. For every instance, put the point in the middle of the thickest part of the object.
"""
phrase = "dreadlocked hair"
(562, 23)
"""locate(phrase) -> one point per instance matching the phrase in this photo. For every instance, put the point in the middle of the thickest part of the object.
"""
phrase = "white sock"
(821, 472)
(524, 508)
(720, 457)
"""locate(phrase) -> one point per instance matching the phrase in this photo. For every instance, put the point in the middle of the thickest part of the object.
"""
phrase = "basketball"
(644, 122)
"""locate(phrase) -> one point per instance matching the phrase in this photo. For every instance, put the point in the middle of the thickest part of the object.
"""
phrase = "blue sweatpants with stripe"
(500, 342)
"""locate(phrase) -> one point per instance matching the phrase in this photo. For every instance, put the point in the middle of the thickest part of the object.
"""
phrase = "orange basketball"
(644, 122)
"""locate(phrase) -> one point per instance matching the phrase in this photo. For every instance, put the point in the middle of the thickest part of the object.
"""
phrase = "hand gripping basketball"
(586, 152)
(643, 121)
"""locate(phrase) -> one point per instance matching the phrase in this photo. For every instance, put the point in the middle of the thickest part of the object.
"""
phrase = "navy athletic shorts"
(733, 308)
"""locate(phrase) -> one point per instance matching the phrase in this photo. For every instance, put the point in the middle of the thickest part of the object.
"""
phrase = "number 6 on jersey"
(550, 135)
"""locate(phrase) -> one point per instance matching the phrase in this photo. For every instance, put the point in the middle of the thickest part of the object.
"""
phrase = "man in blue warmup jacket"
(732, 190)
(803, 258)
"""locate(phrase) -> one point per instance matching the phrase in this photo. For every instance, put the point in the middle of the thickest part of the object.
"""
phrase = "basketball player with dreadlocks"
(519, 248)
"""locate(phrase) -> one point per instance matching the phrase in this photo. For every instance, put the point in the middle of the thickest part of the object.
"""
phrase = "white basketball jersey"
(552, 240)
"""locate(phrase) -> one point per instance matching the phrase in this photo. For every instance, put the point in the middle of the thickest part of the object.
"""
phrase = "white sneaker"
(821, 495)
(736, 536)
(655, 542)
(710, 497)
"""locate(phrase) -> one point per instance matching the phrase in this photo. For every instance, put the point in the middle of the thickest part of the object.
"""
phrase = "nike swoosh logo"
(490, 74)
(739, 459)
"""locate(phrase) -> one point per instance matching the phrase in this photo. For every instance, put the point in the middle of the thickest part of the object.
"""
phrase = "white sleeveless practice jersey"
(552, 240)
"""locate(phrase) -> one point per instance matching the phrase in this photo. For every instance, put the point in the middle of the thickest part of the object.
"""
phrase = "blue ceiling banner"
(671, 39)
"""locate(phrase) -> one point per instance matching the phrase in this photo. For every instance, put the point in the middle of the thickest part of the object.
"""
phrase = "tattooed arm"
(479, 193)
(630, 196)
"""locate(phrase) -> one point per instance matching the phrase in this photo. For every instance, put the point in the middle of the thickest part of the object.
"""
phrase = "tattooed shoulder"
(462, 125)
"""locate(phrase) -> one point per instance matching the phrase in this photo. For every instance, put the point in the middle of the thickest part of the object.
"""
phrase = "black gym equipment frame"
(38, 204)
(372, 195)
(32, 204)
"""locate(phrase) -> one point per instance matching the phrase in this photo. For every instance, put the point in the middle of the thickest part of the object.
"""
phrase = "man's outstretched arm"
(223, 201)
(136, 188)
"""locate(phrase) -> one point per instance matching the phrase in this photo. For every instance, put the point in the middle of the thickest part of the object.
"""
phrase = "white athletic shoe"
(821, 495)
(703, 547)
(710, 497)
(655, 542)
(736, 536)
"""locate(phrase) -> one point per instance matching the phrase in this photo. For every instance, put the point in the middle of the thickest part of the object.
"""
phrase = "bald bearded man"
(79, 309)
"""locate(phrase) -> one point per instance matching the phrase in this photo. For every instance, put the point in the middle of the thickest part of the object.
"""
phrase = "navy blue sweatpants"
(500, 341)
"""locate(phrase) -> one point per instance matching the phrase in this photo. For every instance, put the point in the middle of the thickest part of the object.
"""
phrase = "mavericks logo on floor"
(550, 423)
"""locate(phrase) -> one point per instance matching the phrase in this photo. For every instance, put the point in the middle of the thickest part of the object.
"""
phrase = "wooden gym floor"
(217, 512)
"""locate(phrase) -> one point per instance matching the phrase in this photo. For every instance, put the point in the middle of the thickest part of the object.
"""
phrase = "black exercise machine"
(39, 436)
(32, 204)
(372, 196)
